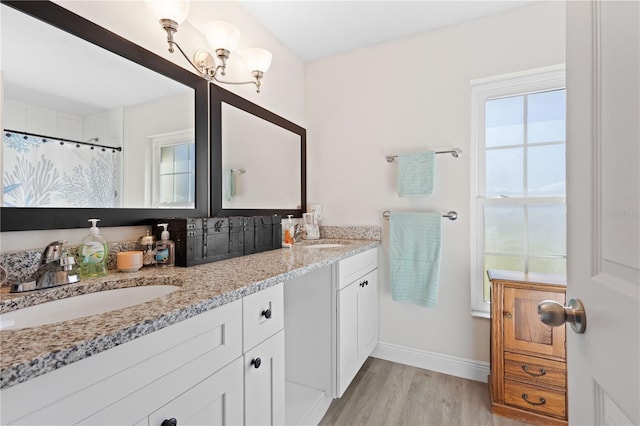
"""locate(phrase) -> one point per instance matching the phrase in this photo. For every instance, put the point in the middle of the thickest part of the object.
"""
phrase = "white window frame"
(531, 81)
(157, 142)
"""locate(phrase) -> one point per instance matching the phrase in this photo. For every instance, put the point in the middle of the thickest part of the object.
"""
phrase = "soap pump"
(288, 232)
(93, 253)
(165, 248)
(147, 244)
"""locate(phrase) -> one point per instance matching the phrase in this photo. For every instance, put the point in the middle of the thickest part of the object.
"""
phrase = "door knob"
(554, 314)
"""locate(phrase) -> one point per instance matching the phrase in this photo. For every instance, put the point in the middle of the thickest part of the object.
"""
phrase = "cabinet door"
(523, 331)
(347, 347)
(264, 382)
(367, 315)
(215, 401)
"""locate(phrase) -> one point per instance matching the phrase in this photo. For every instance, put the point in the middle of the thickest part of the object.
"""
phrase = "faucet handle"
(52, 251)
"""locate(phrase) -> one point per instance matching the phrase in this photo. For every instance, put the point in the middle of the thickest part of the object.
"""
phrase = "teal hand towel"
(416, 173)
(230, 187)
(414, 257)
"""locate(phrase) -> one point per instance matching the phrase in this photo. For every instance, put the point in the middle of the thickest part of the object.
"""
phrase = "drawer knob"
(256, 362)
(508, 315)
(526, 399)
(169, 422)
(363, 283)
(266, 313)
(526, 370)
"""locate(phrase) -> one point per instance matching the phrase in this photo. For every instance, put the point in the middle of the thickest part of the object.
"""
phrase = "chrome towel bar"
(456, 152)
(449, 215)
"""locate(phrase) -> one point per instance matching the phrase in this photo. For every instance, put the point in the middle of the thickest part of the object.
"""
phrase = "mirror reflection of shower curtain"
(51, 174)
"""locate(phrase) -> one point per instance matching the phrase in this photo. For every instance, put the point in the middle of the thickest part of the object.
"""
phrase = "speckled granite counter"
(30, 352)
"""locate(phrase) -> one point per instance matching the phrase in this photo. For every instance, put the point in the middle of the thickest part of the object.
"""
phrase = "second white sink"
(82, 306)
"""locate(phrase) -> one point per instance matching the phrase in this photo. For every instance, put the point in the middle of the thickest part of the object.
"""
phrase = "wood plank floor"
(387, 393)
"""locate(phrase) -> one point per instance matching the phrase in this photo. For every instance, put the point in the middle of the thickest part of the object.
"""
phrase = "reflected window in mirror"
(174, 170)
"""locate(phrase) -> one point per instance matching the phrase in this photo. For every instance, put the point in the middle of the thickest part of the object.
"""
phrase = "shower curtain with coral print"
(49, 173)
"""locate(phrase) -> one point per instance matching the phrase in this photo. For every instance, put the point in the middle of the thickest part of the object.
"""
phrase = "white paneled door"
(603, 209)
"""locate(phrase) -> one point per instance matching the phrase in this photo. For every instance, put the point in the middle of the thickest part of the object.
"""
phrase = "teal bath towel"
(416, 173)
(414, 258)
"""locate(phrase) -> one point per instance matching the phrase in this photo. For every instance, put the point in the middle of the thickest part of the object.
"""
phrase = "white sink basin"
(323, 245)
(82, 306)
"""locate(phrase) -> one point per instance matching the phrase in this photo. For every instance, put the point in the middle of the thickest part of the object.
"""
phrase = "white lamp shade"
(256, 59)
(222, 35)
(176, 10)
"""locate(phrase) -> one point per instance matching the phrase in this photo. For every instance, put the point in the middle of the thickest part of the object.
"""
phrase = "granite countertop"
(31, 352)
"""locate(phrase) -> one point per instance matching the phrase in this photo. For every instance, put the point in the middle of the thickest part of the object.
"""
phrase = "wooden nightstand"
(528, 378)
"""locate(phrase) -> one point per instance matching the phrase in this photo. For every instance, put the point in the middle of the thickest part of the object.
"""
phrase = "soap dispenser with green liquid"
(93, 253)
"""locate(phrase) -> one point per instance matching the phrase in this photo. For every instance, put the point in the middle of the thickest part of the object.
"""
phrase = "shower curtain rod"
(62, 140)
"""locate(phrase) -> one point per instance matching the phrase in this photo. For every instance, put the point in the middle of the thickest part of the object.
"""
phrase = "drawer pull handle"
(526, 399)
(508, 315)
(363, 283)
(266, 313)
(256, 362)
(526, 370)
(169, 422)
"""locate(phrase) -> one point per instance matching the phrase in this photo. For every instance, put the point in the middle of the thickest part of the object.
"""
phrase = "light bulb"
(256, 59)
(222, 35)
(175, 10)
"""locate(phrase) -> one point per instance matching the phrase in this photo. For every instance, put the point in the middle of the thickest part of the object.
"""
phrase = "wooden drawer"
(263, 315)
(535, 398)
(537, 371)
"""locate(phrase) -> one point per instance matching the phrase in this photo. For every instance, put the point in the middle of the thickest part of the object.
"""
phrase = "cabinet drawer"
(354, 267)
(263, 315)
(537, 371)
(535, 398)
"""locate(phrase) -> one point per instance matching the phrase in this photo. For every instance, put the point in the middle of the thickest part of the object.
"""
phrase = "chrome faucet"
(53, 271)
(298, 233)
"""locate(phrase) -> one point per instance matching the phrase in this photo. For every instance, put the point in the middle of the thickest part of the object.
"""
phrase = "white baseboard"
(434, 361)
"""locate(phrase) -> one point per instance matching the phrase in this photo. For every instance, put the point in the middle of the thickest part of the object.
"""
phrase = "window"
(174, 170)
(518, 145)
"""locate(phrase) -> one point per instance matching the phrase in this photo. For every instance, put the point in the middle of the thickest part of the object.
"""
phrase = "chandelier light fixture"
(222, 36)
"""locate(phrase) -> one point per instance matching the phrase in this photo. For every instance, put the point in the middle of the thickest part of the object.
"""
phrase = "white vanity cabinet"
(331, 319)
(357, 315)
(196, 372)
(126, 384)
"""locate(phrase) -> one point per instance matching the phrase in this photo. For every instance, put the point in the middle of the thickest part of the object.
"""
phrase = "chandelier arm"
(237, 83)
(200, 71)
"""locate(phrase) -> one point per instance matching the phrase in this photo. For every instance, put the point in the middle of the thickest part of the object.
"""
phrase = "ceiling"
(315, 29)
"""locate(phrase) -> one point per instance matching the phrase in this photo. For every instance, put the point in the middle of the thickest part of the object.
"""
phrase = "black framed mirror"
(258, 159)
(190, 189)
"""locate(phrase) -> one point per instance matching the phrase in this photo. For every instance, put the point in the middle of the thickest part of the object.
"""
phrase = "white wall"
(282, 91)
(407, 95)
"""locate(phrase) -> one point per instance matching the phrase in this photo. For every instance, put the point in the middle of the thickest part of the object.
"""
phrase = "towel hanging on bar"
(415, 248)
(416, 174)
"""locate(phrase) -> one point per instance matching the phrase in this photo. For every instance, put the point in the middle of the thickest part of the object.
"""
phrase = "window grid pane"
(536, 168)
